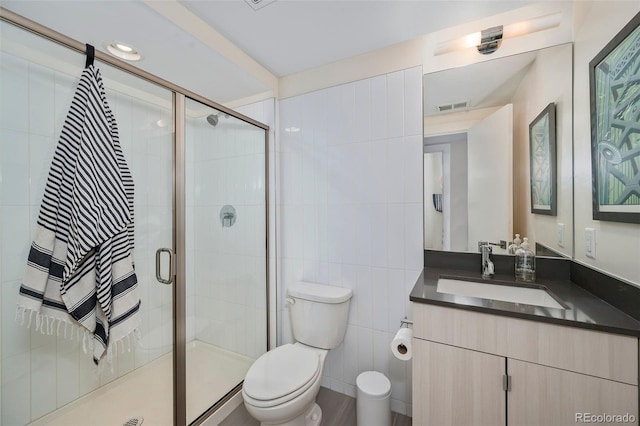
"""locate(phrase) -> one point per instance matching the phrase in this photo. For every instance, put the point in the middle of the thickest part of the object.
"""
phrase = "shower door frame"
(179, 287)
(179, 205)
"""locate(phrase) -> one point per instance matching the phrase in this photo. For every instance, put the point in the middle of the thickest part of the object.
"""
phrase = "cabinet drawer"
(610, 356)
(466, 329)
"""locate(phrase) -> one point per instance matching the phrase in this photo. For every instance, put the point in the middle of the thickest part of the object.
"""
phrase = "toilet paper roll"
(401, 344)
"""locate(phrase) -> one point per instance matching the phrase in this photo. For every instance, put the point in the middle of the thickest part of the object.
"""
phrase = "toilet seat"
(281, 375)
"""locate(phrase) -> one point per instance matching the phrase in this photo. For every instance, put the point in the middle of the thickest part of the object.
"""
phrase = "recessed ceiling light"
(124, 47)
(123, 51)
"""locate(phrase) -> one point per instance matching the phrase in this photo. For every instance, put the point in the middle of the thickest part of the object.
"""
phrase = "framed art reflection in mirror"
(542, 147)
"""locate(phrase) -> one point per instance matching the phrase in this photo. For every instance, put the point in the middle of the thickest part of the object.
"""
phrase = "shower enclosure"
(200, 243)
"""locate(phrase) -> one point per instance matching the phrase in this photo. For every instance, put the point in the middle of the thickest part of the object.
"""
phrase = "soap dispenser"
(513, 247)
(525, 263)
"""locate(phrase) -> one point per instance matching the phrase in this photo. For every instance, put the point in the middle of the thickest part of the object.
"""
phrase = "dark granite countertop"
(582, 309)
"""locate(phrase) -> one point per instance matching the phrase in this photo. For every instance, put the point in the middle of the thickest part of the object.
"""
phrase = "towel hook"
(91, 53)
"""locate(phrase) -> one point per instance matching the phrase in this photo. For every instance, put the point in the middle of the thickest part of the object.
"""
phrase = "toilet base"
(311, 417)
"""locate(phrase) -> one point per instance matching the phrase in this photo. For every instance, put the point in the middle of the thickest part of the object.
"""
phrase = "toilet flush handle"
(289, 301)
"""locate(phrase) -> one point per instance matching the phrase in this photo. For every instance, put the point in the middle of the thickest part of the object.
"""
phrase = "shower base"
(147, 391)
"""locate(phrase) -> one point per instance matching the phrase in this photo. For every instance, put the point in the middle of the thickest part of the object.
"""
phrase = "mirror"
(477, 179)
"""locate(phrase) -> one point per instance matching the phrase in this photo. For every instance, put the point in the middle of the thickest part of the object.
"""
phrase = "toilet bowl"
(281, 386)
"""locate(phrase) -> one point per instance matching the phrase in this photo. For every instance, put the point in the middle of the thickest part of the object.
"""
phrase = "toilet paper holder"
(406, 322)
(401, 343)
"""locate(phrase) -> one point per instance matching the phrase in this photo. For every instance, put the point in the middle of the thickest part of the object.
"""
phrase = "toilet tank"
(318, 313)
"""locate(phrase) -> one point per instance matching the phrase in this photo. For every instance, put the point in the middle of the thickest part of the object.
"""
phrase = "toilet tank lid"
(319, 292)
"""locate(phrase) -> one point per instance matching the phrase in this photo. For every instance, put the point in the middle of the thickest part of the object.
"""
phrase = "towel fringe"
(20, 313)
(60, 327)
(30, 316)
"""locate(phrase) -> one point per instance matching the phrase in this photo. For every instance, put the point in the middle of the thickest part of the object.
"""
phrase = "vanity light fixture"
(489, 40)
(123, 51)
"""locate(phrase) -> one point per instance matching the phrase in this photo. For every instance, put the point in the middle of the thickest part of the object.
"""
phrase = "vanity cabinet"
(473, 368)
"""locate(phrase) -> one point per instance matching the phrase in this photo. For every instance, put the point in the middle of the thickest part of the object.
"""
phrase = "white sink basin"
(506, 293)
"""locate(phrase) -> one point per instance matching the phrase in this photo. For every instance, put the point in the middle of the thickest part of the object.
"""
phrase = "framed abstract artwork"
(542, 157)
(614, 79)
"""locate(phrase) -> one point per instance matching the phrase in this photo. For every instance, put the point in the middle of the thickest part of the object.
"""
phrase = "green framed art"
(614, 80)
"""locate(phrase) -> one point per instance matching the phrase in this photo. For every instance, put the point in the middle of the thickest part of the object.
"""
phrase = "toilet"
(281, 386)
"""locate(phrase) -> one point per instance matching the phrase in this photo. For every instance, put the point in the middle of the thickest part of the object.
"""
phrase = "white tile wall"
(350, 208)
(41, 373)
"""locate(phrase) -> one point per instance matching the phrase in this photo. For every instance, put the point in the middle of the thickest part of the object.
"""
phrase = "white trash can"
(373, 401)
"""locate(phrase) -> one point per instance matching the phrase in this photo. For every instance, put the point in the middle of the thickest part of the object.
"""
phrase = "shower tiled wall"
(228, 287)
(350, 214)
(39, 372)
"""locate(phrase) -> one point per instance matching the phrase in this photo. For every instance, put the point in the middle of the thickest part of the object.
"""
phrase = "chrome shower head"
(213, 119)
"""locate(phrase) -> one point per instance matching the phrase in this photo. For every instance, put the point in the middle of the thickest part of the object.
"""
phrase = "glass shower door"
(226, 253)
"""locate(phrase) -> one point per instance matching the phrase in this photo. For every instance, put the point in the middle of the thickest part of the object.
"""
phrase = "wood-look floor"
(337, 410)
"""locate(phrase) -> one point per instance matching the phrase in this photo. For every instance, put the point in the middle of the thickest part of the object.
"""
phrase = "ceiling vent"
(259, 4)
(456, 106)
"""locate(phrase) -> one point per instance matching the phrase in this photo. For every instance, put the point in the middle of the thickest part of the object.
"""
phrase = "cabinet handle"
(506, 383)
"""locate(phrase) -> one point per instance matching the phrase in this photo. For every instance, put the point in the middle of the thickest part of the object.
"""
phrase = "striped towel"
(80, 267)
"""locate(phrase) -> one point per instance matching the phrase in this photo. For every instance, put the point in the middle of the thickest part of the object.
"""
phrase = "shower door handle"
(172, 268)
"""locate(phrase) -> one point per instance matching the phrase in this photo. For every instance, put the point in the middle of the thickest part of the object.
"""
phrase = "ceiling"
(284, 37)
(290, 36)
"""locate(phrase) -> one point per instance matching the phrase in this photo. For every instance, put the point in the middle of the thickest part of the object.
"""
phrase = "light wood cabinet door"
(541, 395)
(455, 386)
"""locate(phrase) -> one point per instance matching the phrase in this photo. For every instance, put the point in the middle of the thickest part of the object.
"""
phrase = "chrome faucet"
(487, 264)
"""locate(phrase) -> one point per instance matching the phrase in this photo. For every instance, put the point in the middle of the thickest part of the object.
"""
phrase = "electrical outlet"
(561, 234)
(590, 242)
